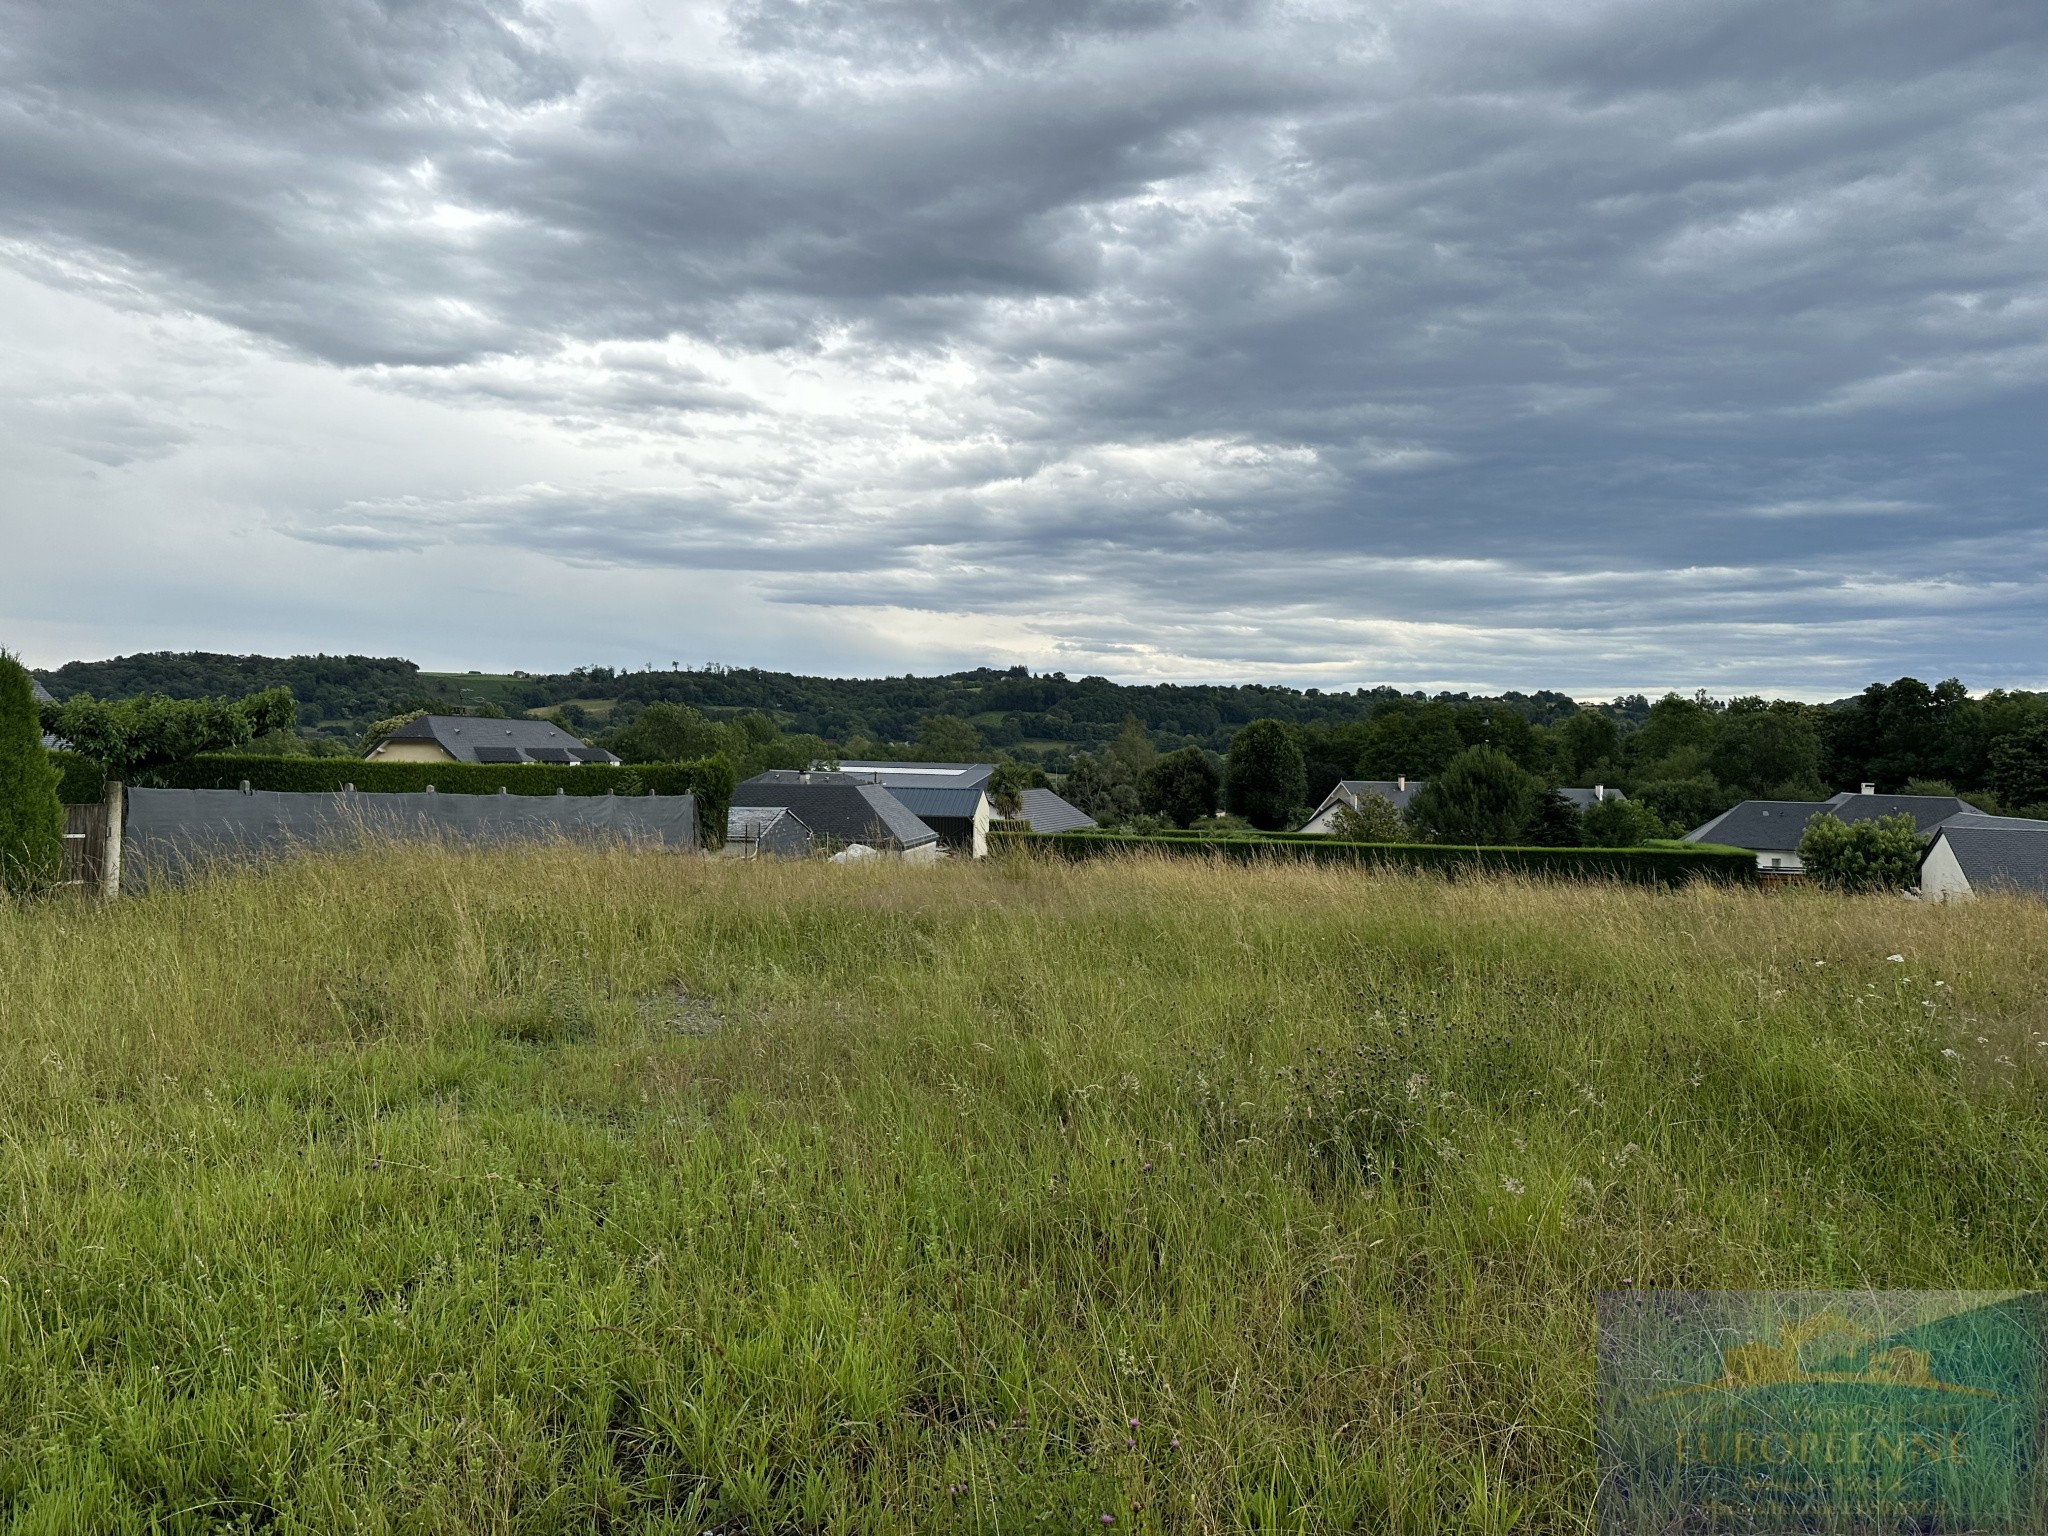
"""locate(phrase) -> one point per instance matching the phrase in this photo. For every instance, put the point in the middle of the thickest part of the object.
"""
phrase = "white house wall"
(1941, 876)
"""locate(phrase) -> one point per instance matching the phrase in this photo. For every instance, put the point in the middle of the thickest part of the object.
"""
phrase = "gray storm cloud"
(1642, 341)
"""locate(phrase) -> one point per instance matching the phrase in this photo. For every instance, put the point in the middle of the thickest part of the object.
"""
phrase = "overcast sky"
(1491, 344)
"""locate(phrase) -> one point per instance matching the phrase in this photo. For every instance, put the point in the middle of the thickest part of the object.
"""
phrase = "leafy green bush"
(1878, 855)
(31, 817)
(1483, 797)
(1618, 823)
(1649, 866)
(130, 735)
(80, 780)
(710, 779)
(1373, 820)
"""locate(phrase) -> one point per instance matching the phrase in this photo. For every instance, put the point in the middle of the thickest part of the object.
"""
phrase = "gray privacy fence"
(172, 832)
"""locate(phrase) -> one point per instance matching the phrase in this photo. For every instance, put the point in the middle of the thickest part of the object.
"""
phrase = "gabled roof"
(920, 775)
(1585, 797)
(1771, 825)
(1927, 811)
(1998, 852)
(837, 806)
(473, 739)
(1352, 790)
(1047, 812)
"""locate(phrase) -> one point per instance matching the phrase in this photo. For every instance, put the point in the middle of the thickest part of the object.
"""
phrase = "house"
(474, 739)
(941, 795)
(839, 809)
(752, 830)
(1398, 792)
(1347, 794)
(1771, 829)
(1974, 853)
(42, 695)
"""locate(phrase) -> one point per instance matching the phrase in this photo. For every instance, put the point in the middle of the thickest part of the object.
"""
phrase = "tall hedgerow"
(31, 819)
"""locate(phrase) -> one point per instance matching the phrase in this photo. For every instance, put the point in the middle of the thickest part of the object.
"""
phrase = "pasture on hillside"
(559, 1191)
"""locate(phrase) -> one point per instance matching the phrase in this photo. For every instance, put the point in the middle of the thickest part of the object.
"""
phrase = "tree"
(1265, 779)
(1181, 786)
(947, 739)
(1103, 788)
(1373, 820)
(1553, 822)
(1768, 750)
(2019, 766)
(132, 735)
(31, 820)
(1007, 783)
(1686, 802)
(669, 733)
(1483, 797)
(1618, 823)
(1883, 854)
(1410, 740)
(1588, 741)
(1133, 747)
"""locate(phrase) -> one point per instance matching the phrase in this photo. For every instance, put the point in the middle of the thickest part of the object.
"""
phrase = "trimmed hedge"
(1647, 866)
(710, 779)
(81, 779)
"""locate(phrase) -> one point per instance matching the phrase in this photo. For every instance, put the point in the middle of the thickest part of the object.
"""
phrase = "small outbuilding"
(775, 830)
(840, 810)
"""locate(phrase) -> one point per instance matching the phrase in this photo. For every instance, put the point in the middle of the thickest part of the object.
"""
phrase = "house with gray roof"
(42, 695)
(841, 810)
(940, 794)
(1398, 792)
(474, 739)
(1771, 829)
(1972, 854)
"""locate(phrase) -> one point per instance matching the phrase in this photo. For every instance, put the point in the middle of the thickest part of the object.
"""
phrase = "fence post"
(110, 842)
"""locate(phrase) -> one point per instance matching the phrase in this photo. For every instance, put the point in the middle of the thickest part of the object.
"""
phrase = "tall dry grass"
(562, 1190)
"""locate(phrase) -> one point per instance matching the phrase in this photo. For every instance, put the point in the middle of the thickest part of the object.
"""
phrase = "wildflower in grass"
(1896, 959)
(1511, 1184)
(1952, 1055)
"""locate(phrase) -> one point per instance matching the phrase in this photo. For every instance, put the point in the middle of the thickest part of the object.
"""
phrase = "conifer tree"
(31, 819)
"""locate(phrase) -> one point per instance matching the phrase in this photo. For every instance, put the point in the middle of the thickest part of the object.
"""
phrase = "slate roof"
(951, 803)
(1999, 852)
(43, 695)
(1927, 811)
(1585, 797)
(1047, 812)
(837, 806)
(1386, 789)
(472, 739)
(1777, 824)
(920, 775)
(768, 828)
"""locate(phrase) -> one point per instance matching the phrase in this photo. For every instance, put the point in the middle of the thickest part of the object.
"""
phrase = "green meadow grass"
(582, 1191)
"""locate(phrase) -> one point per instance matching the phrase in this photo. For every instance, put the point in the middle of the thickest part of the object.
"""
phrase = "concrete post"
(110, 843)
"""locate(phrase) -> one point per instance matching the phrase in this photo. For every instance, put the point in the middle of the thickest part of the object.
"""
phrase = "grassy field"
(555, 1191)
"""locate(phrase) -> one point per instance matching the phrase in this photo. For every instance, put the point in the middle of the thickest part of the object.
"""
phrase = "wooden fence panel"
(85, 845)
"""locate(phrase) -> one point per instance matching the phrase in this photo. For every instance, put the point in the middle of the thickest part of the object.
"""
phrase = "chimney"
(1870, 789)
(1599, 792)
(1402, 783)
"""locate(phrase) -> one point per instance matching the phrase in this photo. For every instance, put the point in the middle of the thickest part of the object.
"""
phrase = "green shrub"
(710, 779)
(132, 735)
(1373, 820)
(1648, 866)
(31, 817)
(81, 781)
(1618, 823)
(1181, 786)
(1878, 855)
(1483, 797)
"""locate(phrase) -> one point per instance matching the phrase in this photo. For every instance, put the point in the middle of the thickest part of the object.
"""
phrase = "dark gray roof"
(1760, 824)
(920, 775)
(41, 694)
(1592, 796)
(1985, 819)
(2002, 856)
(1386, 789)
(468, 737)
(1047, 812)
(836, 806)
(925, 802)
(1927, 811)
(1777, 824)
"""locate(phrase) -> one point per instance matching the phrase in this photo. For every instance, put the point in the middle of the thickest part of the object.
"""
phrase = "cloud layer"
(1498, 343)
